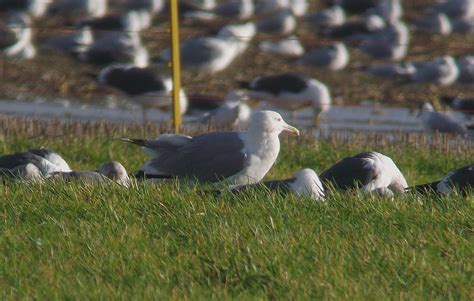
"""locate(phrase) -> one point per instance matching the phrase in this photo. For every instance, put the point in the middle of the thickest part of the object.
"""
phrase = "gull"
(264, 7)
(134, 20)
(94, 8)
(73, 43)
(356, 28)
(109, 172)
(289, 47)
(335, 57)
(16, 36)
(152, 6)
(304, 183)
(438, 122)
(292, 92)
(232, 9)
(233, 112)
(299, 7)
(437, 23)
(388, 43)
(233, 158)
(442, 71)
(466, 106)
(330, 17)
(116, 47)
(27, 172)
(389, 10)
(392, 70)
(144, 85)
(214, 54)
(47, 161)
(461, 178)
(35, 8)
(371, 170)
(356, 7)
(463, 25)
(455, 8)
(282, 23)
(466, 69)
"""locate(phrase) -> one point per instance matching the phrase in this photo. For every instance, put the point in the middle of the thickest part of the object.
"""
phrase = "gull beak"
(291, 129)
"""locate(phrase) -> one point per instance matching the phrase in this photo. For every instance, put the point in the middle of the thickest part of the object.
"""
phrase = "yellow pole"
(175, 63)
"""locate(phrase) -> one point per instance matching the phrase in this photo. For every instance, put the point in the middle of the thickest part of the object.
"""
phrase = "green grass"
(174, 241)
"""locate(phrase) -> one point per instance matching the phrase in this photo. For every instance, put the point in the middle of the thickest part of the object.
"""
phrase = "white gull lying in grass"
(438, 122)
(292, 92)
(304, 183)
(109, 172)
(370, 170)
(461, 178)
(233, 112)
(442, 71)
(236, 158)
(289, 47)
(335, 57)
(214, 54)
(143, 85)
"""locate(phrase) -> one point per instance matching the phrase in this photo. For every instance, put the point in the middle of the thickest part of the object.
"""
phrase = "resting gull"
(371, 170)
(291, 91)
(289, 47)
(437, 23)
(233, 112)
(333, 16)
(236, 158)
(465, 106)
(304, 183)
(358, 6)
(438, 122)
(94, 8)
(109, 172)
(144, 85)
(264, 7)
(152, 6)
(134, 20)
(403, 70)
(73, 43)
(355, 29)
(282, 23)
(389, 10)
(47, 161)
(442, 71)
(27, 172)
(16, 37)
(232, 9)
(335, 57)
(461, 178)
(35, 8)
(466, 69)
(455, 8)
(214, 54)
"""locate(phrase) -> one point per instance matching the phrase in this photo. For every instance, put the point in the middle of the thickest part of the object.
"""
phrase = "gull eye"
(279, 119)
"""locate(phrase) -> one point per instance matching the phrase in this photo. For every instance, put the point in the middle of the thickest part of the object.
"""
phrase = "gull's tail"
(424, 188)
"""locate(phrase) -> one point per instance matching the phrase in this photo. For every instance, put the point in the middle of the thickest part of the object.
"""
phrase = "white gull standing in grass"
(461, 178)
(145, 86)
(438, 122)
(109, 172)
(214, 54)
(442, 71)
(334, 57)
(292, 92)
(233, 112)
(304, 183)
(371, 170)
(289, 47)
(235, 158)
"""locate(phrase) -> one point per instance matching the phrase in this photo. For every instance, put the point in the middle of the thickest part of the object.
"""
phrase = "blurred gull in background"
(289, 47)
(281, 23)
(335, 57)
(438, 122)
(442, 71)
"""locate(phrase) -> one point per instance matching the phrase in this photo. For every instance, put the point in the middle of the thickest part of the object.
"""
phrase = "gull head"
(307, 183)
(270, 122)
(116, 172)
(426, 107)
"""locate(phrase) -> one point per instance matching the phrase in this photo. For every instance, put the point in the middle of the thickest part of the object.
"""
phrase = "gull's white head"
(307, 183)
(426, 107)
(116, 172)
(270, 122)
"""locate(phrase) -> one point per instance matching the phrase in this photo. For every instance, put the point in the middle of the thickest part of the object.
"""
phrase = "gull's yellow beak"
(291, 129)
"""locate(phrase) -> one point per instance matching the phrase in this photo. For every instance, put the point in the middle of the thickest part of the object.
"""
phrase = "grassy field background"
(175, 241)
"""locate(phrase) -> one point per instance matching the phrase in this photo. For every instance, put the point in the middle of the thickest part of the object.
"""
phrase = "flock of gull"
(236, 161)
(108, 33)
(240, 160)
